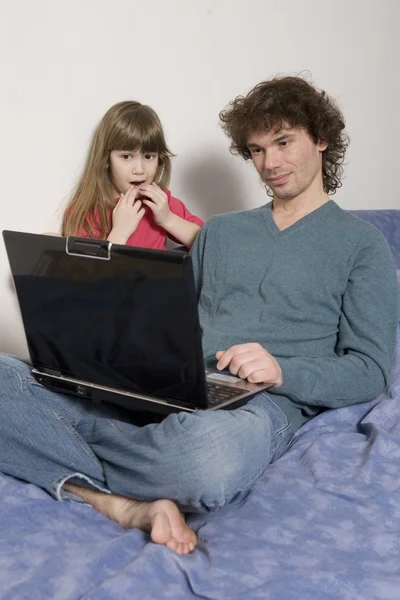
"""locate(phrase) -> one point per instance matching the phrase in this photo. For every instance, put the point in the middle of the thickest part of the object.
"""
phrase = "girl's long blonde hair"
(127, 126)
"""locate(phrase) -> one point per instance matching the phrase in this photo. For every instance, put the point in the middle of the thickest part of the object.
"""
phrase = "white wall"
(65, 63)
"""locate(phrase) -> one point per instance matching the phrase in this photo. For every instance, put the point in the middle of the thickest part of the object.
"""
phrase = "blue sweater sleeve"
(365, 340)
(201, 253)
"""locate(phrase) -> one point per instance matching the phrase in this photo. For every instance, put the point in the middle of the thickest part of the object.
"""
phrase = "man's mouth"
(278, 179)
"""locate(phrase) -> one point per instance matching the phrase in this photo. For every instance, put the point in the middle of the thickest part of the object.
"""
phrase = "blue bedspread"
(322, 523)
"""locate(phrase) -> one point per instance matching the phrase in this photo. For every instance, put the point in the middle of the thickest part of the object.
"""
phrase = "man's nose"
(271, 160)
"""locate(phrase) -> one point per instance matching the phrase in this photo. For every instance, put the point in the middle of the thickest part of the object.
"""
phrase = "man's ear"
(322, 145)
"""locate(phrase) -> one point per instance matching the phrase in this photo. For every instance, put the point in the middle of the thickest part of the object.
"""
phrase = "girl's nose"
(137, 166)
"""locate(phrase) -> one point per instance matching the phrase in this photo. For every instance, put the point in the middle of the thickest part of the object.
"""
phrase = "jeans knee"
(227, 465)
(215, 483)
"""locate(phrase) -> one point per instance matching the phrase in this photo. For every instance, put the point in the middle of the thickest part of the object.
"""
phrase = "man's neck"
(286, 212)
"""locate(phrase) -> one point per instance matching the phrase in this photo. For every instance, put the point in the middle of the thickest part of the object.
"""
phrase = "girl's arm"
(171, 214)
(180, 230)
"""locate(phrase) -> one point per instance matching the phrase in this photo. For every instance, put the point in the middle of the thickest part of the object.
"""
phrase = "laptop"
(119, 324)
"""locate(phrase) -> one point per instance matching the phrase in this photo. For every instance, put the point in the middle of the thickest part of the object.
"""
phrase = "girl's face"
(132, 168)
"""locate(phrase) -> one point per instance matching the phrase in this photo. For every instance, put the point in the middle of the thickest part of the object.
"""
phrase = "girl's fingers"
(155, 194)
(147, 192)
(152, 205)
(118, 204)
(125, 196)
(130, 194)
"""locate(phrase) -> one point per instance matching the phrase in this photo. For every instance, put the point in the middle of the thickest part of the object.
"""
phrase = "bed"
(322, 523)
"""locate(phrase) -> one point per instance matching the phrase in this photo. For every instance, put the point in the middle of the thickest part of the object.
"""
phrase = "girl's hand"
(126, 216)
(157, 200)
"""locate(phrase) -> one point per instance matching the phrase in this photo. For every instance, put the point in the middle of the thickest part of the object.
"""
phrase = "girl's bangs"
(141, 132)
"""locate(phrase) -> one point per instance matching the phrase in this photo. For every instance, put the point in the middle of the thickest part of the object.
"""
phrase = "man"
(298, 294)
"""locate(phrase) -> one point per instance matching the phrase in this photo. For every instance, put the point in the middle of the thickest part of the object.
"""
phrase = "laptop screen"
(127, 320)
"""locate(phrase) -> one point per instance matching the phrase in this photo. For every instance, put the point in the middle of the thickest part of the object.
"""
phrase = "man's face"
(287, 160)
(132, 168)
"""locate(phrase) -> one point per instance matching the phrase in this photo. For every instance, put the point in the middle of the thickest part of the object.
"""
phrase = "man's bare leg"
(162, 518)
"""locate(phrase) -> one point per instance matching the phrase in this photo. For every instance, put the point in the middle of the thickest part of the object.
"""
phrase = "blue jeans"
(202, 460)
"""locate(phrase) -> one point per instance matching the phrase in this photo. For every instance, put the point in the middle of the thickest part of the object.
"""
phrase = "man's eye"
(283, 144)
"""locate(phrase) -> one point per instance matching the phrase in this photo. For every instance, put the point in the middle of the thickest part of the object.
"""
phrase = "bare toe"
(169, 527)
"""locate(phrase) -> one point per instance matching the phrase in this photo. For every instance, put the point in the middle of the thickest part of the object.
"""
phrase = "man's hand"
(252, 362)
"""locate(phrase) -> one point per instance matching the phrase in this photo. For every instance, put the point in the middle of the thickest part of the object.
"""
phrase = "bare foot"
(162, 518)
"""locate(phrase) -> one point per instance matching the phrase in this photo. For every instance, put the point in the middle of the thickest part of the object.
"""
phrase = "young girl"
(122, 194)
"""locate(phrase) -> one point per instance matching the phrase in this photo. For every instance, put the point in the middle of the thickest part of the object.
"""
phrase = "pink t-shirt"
(148, 234)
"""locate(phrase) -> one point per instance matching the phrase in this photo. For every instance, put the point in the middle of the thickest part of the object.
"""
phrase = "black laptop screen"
(129, 322)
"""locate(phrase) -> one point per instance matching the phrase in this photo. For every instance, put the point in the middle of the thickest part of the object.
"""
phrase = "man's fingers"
(227, 356)
(252, 362)
(260, 376)
(248, 369)
(224, 359)
(240, 363)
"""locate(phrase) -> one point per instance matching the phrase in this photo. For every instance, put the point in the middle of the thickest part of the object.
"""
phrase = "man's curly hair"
(293, 102)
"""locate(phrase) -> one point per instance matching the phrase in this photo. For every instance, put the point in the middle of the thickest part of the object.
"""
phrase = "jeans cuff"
(63, 496)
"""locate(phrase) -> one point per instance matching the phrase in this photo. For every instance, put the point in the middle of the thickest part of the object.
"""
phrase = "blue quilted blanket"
(323, 522)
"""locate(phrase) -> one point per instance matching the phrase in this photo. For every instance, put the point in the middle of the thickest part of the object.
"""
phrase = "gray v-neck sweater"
(321, 296)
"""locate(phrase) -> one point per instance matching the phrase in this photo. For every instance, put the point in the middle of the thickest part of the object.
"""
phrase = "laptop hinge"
(49, 371)
(88, 248)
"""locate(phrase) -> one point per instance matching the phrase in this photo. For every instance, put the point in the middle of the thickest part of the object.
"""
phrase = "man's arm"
(366, 336)
(197, 254)
(365, 346)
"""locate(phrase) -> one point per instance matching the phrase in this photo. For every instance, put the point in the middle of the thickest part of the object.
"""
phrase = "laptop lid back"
(112, 315)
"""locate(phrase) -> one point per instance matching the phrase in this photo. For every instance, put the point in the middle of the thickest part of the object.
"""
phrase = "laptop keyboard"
(218, 394)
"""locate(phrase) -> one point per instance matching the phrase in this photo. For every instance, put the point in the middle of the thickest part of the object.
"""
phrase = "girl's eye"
(149, 156)
(125, 156)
